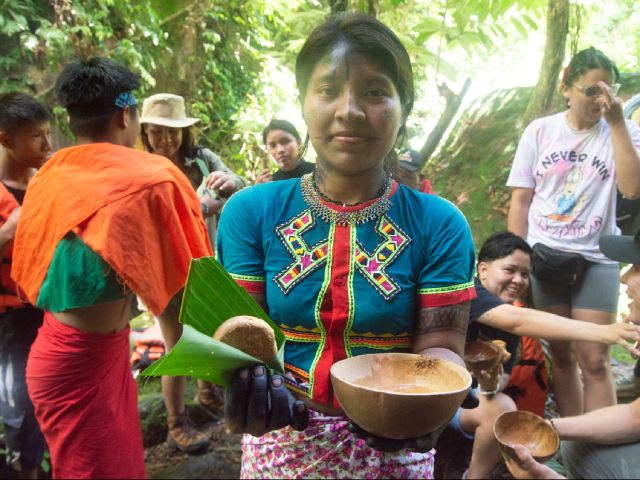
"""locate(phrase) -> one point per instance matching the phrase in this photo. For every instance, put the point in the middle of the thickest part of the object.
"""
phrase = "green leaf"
(520, 28)
(530, 21)
(211, 297)
(483, 10)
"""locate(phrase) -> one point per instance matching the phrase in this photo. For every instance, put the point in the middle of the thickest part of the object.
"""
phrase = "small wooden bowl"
(528, 430)
(399, 395)
(489, 355)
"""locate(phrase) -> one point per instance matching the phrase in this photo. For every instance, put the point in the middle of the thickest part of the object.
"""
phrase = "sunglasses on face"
(596, 90)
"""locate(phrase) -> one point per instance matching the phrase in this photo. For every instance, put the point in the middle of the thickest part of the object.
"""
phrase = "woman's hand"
(611, 105)
(220, 182)
(264, 176)
(422, 444)
(621, 332)
(529, 467)
(257, 404)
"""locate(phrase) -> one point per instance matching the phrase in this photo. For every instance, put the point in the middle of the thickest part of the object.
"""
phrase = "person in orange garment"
(99, 222)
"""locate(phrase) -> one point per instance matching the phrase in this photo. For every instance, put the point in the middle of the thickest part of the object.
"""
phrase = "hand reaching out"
(529, 467)
(220, 182)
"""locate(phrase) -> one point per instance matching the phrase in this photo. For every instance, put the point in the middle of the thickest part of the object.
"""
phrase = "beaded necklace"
(312, 197)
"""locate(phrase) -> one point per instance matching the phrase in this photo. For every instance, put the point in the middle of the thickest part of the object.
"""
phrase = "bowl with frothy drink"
(528, 430)
(399, 395)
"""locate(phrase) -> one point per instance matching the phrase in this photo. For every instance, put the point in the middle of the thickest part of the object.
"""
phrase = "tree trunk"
(544, 94)
(453, 104)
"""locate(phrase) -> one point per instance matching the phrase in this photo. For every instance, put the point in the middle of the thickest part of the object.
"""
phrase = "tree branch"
(453, 104)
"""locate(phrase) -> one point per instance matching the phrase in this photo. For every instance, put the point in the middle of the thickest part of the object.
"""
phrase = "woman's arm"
(440, 332)
(625, 154)
(607, 426)
(519, 211)
(537, 324)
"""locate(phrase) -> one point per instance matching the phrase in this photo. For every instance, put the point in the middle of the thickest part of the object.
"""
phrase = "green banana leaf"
(211, 296)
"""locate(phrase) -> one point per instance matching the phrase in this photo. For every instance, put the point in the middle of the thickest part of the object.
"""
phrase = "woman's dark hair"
(585, 61)
(88, 89)
(187, 147)
(285, 125)
(18, 110)
(501, 245)
(362, 34)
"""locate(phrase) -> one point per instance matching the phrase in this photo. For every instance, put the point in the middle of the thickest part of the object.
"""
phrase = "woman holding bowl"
(346, 261)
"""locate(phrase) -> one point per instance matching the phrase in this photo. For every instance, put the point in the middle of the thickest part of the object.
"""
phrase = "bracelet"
(204, 208)
(553, 424)
(485, 393)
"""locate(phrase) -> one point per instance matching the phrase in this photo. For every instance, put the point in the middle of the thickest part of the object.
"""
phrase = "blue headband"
(125, 99)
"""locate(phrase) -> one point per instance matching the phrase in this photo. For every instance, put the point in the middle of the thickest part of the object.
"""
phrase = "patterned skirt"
(327, 450)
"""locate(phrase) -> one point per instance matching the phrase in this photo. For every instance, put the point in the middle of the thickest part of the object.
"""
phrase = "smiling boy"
(24, 135)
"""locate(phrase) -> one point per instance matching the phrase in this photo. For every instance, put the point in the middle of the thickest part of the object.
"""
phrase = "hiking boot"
(183, 434)
(628, 387)
(212, 399)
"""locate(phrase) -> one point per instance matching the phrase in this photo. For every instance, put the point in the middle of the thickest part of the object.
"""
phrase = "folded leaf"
(211, 297)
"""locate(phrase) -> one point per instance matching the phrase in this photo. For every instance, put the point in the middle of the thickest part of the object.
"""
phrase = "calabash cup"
(528, 430)
(479, 356)
(399, 395)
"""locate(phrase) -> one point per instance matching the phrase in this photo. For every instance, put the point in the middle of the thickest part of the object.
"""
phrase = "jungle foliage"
(232, 60)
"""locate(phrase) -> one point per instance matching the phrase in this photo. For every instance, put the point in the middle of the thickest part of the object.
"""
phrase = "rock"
(205, 466)
(153, 419)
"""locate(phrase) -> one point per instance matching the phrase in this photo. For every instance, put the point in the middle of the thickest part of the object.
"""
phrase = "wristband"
(204, 208)
(485, 393)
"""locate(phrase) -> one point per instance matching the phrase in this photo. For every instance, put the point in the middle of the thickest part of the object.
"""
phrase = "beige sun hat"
(166, 110)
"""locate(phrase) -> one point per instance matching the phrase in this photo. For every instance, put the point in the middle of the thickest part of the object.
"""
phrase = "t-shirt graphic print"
(574, 181)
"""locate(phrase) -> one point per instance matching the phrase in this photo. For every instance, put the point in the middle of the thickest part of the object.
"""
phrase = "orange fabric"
(136, 210)
(8, 204)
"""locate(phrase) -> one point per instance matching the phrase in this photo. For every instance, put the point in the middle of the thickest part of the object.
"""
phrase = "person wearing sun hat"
(166, 130)
(604, 443)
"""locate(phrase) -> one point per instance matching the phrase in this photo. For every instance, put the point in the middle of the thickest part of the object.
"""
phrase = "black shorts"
(24, 441)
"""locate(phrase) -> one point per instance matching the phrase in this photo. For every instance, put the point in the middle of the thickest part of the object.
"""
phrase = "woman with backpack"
(166, 130)
(564, 179)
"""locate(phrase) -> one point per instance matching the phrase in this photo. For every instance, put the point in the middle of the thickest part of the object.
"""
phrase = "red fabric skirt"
(86, 402)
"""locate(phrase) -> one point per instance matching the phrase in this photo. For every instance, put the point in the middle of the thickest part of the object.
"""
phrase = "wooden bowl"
(482, 356)
(528, 430)
(399, 395)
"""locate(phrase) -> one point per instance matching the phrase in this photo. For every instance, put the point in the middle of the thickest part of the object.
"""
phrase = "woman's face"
(283, 148)
(164, 141)
(507, 278)
(631, 279)
(588, 110)
(353, 113)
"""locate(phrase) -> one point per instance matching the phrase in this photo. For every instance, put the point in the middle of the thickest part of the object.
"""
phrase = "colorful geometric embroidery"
(306, 260)
(373, 266)
(301, 334)
(380, 342)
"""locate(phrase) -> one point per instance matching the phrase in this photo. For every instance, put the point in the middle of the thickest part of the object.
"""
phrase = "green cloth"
(78, 277)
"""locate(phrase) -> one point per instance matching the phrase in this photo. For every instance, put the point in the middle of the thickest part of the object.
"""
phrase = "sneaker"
(183, 434)
(628, 387)
(212, 399)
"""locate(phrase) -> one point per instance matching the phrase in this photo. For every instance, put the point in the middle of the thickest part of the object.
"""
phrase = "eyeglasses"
(595, 90)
